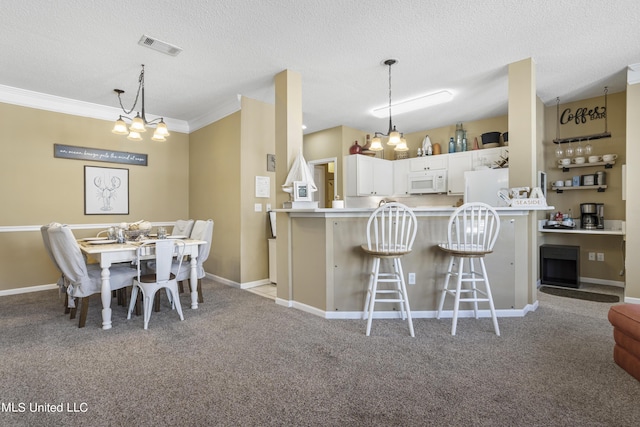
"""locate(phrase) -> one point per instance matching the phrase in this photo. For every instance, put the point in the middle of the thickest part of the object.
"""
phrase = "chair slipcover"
(182, 227)
(202, 230)
(83, 281)
(44, 230)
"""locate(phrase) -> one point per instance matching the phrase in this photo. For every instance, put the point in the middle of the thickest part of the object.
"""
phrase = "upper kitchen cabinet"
(458, 164)
(419, 164)
(368, 176)
(401, 170)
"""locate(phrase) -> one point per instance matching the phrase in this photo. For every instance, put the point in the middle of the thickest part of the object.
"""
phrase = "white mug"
(594, 159)
(564, 162)
(558, 183)
(578, 160)
(609, 157)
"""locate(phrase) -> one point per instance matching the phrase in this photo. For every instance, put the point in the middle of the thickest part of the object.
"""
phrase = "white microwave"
(426, 182)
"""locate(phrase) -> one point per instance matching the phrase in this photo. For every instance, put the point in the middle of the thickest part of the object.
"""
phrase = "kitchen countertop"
(424, 210)
(611, 227)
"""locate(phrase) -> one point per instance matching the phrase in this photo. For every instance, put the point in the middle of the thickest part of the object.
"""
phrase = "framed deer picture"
(106, 191)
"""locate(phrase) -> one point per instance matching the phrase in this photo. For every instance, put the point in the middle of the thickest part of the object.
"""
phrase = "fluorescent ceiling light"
(414, 104)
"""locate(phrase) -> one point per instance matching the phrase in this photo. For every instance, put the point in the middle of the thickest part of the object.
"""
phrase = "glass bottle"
(452, 146)
(464, 140)
(459, 136)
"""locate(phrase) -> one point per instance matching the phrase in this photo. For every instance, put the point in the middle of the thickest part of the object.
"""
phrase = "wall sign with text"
(582, 115)
(98, 155)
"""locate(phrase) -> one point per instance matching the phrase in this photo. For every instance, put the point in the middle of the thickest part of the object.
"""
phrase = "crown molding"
(633, 74)
(57, 104)
(224, 110)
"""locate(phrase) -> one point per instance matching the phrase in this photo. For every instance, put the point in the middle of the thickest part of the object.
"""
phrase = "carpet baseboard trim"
(631, 300)
(394, 314)
(246, 285)
(617, 283)
(28, 289)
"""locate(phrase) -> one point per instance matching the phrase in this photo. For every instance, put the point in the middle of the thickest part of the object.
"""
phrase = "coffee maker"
(589, 216)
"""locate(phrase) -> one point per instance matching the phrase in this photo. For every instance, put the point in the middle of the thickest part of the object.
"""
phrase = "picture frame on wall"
(106, 191)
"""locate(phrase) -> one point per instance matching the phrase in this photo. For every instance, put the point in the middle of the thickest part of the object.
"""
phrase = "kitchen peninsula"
(329, 272)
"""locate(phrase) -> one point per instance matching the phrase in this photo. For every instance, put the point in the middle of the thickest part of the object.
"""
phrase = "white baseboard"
(28, 289)
(595, 281)
(394, 314)
(237, 285)
(283, 302)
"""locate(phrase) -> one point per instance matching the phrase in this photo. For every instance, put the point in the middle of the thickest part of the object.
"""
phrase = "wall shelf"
(586, 138)
(600, 188)
(607, 165)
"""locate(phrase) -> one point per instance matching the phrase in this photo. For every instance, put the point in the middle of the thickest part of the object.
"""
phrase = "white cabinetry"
(401, 169)
(419, 164)
(459, 163)
(368, 176)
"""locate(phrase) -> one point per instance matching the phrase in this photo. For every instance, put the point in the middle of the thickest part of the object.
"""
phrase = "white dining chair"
(472, 231)
(391, 230)
(69, 303)
(150, 283)
(182, 227)
(83, 281)
(202, 230)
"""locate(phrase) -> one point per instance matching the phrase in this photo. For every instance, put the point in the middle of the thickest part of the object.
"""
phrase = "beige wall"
(615, 207)
(37, 188)
(632, 289)
(225, 157)
(208, 174)
(441, 135)
(214, 180)
(327, 144)
(257, 140)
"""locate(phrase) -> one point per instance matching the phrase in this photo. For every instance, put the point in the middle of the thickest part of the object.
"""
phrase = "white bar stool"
(391, 230)
(472, 231)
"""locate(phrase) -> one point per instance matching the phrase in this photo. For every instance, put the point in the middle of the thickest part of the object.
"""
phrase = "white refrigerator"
(483, 186)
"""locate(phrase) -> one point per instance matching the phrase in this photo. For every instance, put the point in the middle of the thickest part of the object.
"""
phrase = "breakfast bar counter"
(328, 272)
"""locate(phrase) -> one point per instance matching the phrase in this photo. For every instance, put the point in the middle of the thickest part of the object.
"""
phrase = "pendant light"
(395, 138)
(139, 123)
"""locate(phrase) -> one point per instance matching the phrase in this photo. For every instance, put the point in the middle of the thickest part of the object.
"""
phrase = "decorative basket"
(136, 234)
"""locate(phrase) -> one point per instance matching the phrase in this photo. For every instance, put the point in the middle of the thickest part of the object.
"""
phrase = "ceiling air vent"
(159, 45)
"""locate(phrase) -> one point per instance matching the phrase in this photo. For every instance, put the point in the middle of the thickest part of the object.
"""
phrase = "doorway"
(325, 177)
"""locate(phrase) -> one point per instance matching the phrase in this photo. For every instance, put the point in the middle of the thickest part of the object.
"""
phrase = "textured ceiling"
(82, 50)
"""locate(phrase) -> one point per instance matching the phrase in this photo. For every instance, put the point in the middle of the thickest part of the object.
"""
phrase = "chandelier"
(139, 123)
(396, 138)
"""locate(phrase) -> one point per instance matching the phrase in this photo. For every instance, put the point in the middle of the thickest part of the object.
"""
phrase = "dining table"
(109, 252)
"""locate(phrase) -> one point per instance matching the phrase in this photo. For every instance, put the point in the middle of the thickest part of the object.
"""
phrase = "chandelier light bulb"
(394, 137)
(137, 125)
(158, 137)
(161, 129)
(134, 136)
(402, 145)
(376, 144)
(120, 127)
